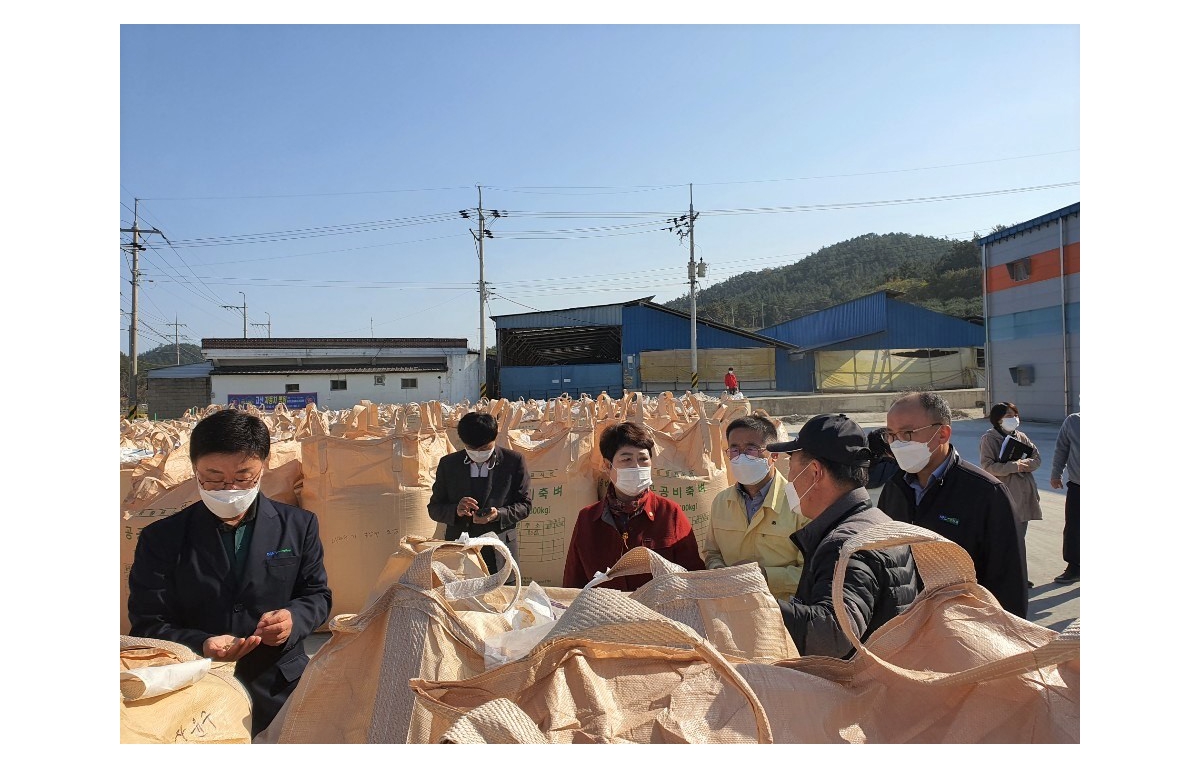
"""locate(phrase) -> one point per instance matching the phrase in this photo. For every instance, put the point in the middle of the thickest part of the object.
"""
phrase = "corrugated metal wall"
(1026, 320)
(646, 328)
(540, 382)
(877, 322)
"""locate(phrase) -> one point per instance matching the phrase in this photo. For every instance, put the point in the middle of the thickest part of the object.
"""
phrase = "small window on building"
(380, 379)
(408, 383)
(291, 387)
(980, 358)
(335, 384)
(1018, 270)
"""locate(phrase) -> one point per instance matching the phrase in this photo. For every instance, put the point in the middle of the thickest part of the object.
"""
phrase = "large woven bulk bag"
(169, 695)
(954, 667)
(610, 671)
(463, 560)
(368, 494)
(730, 607)
(355, 688)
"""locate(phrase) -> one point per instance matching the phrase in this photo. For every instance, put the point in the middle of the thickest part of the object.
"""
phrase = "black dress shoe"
(1067, 577)
(1029, 584)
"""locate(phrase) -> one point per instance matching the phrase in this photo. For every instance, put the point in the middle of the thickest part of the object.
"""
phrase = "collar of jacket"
(807, 538)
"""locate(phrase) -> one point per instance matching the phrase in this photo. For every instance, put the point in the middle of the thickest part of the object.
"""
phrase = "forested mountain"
(939, 274)
(158, 357)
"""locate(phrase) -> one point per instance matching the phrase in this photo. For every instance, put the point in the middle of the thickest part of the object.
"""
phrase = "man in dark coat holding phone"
(482, 488)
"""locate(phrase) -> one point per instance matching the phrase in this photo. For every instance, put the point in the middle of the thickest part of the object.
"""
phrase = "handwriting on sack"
(197, 730)
(390, 533)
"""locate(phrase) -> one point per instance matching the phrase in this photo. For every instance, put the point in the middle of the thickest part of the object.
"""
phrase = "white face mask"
(794, 496)
(231, 503)
(1010, 423)
(481, 456)
(632, 481)
(911, 455)
(749, 470)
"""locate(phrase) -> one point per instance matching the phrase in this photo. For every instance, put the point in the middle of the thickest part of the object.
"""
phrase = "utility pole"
(266, 325)
(177, 325)
(134, 248)
(245, 335)
(686, 226)
(479, 238)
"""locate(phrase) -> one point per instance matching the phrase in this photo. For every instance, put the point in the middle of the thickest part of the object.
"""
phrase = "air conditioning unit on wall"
(1022, 375)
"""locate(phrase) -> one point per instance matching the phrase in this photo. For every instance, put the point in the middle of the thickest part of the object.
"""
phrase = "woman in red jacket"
(630, 515)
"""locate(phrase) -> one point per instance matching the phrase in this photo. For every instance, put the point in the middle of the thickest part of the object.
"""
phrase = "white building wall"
(457, 383)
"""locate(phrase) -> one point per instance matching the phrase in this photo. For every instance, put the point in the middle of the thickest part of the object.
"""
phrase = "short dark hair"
(756, 421)
(626, 433)
(477, 428)
(230, 431)
(999, 411)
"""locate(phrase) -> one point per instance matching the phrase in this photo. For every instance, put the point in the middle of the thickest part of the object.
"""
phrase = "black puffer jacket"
(974, 510)
(879, 583)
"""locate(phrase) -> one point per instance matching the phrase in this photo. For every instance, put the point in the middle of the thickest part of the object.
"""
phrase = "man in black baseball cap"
(827, 475)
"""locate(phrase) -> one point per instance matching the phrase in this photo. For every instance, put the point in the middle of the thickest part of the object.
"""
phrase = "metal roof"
(714, 324)
(247, 370)
(1017, 229)
(330, 343)
(575, 309)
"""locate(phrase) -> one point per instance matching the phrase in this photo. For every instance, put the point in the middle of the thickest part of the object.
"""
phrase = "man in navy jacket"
(235, 576)
(939, 490)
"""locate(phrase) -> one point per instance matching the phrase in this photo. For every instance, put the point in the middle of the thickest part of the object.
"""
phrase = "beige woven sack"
(355, 689)
(730, 607)
(368, 493)
(213, 710)
(953, 668)
(464, 561)
(611, 670)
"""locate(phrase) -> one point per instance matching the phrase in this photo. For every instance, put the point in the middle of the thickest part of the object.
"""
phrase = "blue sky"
(347, 151)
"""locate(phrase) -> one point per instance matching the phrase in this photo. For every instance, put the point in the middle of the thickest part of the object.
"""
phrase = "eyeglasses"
(907, 434)
(240, 483)
(750, 450)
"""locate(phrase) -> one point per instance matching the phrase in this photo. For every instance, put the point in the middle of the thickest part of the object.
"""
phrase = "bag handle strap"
(638, 561)
(942, 564)
(421, 572)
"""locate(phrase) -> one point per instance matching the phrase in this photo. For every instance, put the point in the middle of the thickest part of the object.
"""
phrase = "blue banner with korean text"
(293, 401)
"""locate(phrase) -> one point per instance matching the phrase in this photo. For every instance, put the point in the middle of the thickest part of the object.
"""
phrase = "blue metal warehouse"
(636, 345)
(876, 343)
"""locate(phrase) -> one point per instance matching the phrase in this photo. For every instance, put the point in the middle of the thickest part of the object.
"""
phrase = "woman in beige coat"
(1017, 475)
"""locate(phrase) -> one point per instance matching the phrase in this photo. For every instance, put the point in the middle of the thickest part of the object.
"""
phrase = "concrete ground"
(1051, 605)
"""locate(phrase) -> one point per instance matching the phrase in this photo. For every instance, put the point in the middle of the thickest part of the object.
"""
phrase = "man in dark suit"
(235, 576)
(481, 488)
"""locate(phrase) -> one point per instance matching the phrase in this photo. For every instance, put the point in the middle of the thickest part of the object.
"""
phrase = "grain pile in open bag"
(169, 695)
(730, 607)
(429, 624)
(611, 670)
(952, 668)
(369, 492)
